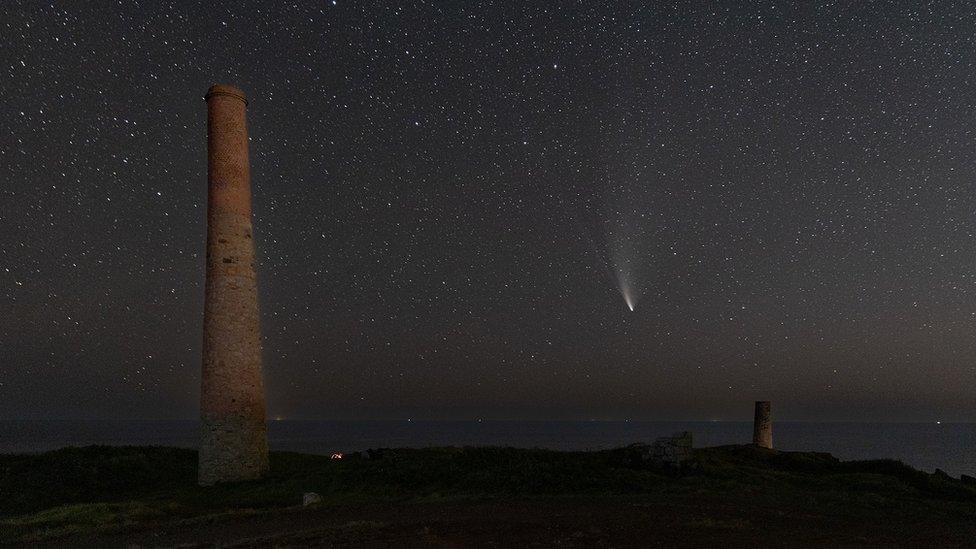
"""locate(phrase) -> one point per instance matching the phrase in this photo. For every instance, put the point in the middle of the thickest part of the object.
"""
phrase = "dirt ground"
(567, 522)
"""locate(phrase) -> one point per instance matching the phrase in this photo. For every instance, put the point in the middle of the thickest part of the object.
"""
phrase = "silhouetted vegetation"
(109, 488)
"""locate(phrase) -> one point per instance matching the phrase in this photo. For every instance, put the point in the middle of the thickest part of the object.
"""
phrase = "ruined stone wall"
(672, 450)
(233, 443)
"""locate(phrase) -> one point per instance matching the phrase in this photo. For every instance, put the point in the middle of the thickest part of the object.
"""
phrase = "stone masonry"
(672, 450)
(762, 427)
(234, 444)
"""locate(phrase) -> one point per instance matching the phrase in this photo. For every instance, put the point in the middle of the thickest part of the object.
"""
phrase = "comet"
(628, 299)
(621, 220)
(626, 280)
(626, 240)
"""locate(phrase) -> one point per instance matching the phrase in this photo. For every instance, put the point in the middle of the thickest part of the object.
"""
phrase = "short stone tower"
(762, 428)
(234, 440)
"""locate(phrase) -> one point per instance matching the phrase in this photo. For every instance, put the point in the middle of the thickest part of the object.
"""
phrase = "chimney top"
(226, 89)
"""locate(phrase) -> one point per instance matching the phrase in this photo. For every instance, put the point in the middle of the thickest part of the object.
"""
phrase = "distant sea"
(927, 446)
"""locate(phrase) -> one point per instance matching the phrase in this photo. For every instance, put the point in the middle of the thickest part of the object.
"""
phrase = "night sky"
(454, 203)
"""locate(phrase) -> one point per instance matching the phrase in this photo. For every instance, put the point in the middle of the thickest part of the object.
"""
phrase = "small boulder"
(310, 498)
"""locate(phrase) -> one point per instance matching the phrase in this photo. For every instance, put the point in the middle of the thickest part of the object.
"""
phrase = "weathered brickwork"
(233, 443)
(762, 427)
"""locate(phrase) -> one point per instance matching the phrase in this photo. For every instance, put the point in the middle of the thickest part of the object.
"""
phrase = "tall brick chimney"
(234, 441)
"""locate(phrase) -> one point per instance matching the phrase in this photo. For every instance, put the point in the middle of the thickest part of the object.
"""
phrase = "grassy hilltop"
(733, 494)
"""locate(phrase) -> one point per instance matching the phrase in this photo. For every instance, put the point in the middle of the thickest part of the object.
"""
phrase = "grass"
(104, 489)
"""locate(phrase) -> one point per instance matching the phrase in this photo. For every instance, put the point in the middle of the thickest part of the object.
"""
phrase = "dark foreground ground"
(735, 496)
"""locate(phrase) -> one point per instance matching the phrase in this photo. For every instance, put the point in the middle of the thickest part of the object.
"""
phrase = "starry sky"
(456, 203)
